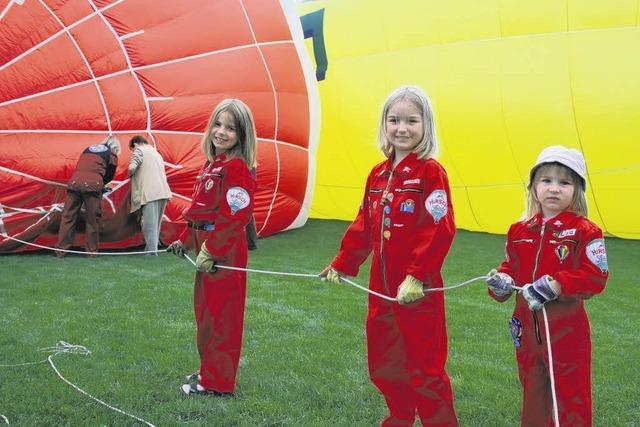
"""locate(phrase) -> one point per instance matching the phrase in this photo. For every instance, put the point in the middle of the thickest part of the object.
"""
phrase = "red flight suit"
(220, 209)
(95, 168)
(569, 248)
(406, 219)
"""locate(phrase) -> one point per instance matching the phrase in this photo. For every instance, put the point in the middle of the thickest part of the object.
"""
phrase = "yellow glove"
(204, 261)
(330, 274)
(410, 290)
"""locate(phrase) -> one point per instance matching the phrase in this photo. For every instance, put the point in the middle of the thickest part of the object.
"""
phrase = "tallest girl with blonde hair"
(559, 259)
(220, 210)
(406, 221)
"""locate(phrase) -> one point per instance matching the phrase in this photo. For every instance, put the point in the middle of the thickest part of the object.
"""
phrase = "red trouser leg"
(93, 212)
(219, 301)
(72, 205)
(423, 327)
(387, 366)
(572, 376)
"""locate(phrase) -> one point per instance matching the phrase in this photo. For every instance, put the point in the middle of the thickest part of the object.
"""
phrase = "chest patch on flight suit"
(436, 205)
(597, 254)
(515, 328)
(407, 206)
(208, 185)
(237, 198)
(562, 252)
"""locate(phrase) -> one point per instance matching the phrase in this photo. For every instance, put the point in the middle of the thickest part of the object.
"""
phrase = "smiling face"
(404, 128)
(224, 134)
(554, 190)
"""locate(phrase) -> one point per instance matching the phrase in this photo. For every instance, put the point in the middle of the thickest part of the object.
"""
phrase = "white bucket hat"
(113, 144)
(569, 157)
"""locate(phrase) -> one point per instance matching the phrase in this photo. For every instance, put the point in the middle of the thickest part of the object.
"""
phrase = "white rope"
(35, 245)
(344, 279)
(63, 347)
(547, 332)
(551, 375)
(95, 398)
(6, 420)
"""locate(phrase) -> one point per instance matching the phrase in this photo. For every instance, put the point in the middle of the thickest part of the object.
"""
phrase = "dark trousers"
(72, 205)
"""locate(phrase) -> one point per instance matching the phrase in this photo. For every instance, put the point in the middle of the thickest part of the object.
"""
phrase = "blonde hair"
(245, 129)
(428, 145)
(578, 201)
(113, 144)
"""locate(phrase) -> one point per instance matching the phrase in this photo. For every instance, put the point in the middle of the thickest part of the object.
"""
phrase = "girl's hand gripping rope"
(540, 292)
(331, 275)
(177, 248)
(204, 261)
(500, 284)
(410, 290)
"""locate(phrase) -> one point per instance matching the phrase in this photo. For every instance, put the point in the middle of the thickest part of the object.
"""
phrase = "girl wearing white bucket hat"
(559, 259)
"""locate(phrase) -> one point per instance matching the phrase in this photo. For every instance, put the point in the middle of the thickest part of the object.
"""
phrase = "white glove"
(539, 292)
(410, 290)
(500, 284)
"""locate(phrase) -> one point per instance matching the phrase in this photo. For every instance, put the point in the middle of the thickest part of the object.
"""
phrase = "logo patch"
(562, 252)
(567, 233)
(436, 205)
(387, 209)
(597, 254)
(208, 185)
(411, 181)
(237, 198)
(407, 206)
(386, 234)
(515, 327)
(406, 169)
(98, 148)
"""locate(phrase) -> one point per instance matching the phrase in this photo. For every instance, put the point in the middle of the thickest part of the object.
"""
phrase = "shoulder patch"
(237, 198)
(98, 148)
(597, 254)
(436, 205)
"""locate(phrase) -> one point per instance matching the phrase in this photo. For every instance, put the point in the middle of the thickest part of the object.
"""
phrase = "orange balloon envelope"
(73, 72)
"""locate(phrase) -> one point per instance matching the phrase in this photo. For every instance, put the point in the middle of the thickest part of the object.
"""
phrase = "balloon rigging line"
(86, 63)
(63, 347)
(5, 419)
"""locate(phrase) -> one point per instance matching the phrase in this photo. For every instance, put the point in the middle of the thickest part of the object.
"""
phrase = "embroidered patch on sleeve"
(237, 198)
(436, 205)
(597, 254)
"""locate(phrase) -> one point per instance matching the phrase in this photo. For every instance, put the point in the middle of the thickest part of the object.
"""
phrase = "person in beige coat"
(149, 188)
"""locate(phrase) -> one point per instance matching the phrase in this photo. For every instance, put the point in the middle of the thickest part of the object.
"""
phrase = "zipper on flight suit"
(383, 204)
(536, 326)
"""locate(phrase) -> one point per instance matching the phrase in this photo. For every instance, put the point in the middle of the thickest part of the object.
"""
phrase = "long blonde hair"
(428, 145)
(245, 128)
(578, 201)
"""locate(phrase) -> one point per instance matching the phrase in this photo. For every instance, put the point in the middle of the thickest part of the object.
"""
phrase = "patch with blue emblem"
(407, 206)
(515, 327)
(98, 148)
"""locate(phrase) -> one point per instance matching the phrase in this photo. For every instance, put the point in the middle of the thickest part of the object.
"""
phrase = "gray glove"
(177, 248)
(204, 261)
(539, 292)
(500, 284)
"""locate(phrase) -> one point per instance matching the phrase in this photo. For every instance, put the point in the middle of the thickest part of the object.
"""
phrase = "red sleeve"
(509, 265)
(356, 242)
(435, 228)
(590, 275)
(234, 213)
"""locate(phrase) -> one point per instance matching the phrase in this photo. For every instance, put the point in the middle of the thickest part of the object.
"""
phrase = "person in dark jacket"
(96, 167)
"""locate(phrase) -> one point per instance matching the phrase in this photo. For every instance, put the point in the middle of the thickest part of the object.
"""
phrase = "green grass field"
(304, 360)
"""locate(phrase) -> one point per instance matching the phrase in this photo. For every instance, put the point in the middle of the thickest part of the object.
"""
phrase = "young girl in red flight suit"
(406, 220)
(558, 256)
(221, 208)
